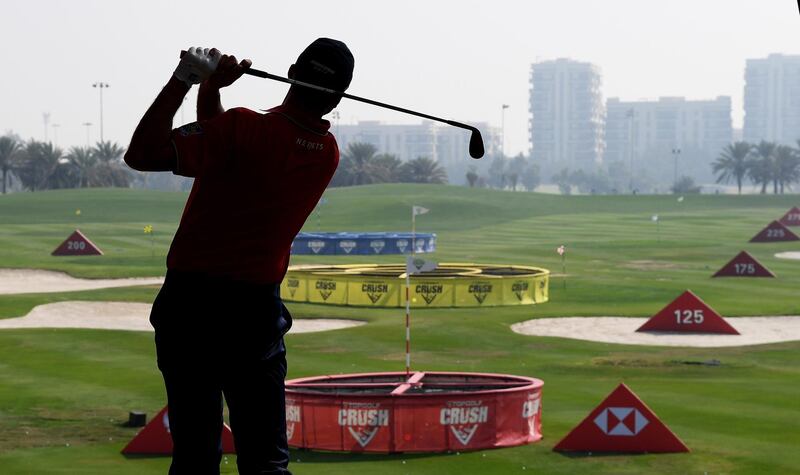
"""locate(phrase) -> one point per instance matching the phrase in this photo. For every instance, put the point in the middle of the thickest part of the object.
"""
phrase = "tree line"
(361, 164)
(764, 164)
(42, 166)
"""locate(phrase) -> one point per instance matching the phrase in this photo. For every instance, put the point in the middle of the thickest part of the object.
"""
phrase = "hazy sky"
(457, 59)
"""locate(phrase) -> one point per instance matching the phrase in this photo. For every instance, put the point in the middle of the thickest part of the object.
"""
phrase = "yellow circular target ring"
(449, 285)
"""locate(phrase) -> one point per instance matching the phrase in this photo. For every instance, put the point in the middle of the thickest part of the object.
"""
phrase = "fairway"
(64, 393)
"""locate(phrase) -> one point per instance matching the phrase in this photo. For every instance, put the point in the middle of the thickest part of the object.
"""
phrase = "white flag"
(415, 265)
(655, 218)
(415, 210)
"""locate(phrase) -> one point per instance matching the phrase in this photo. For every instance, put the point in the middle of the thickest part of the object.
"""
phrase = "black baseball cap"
(326, 62)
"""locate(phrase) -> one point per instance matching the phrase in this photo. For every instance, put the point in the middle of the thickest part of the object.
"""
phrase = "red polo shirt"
(257, 178)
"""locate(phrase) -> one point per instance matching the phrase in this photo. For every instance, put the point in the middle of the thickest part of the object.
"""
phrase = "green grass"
(60, 387)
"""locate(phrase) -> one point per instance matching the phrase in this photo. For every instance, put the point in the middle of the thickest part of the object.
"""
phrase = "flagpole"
(408, 289)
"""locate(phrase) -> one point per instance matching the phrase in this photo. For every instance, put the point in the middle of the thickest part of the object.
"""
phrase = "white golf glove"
(197, 65)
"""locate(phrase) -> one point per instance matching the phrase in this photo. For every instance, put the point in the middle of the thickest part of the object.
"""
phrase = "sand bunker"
(754, 331)
(27, 281)
(788, 255)
(128, 316)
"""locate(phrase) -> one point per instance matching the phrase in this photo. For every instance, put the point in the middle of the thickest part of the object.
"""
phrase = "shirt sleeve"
(205, 145)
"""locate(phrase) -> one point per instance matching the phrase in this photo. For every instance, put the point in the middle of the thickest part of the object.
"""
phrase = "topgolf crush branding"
(292, 285)
(480, 290)
(377, 246)
(375, 290)
(520, 288)
(325, 288)
(463, 418)
(347, 246)
(363, 420)
(429, 292)
(316, 246)
(292, 418)
(402, 244)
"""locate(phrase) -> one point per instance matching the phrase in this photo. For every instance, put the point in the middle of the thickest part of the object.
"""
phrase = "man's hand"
(197, 64)
(227, 72)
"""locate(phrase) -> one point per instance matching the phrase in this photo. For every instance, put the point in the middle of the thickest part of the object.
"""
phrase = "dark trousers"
(216, 337)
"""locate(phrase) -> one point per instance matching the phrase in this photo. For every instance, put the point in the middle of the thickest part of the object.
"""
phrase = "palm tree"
(359, 167)
(389, 166)
(423, 170)
(733, 163)
(85, 163)
(8, 148)
(110, 167)
(787, 167)
(37, 163)
(761, 169)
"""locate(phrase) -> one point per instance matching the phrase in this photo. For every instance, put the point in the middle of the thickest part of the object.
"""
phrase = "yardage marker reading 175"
(689, 317)
(744, 269)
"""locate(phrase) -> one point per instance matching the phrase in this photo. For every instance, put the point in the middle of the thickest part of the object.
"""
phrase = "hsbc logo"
(316, 246)
(621, 421)
(377, 246)
(347, 246)
(463, 418)
(363, 421)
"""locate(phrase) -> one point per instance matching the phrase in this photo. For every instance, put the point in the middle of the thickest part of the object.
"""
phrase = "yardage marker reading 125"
(689, 317)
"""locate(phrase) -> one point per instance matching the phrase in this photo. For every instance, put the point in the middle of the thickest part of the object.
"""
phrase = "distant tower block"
(688, 314)
(791, 218)
(744, 265)
(77, 245)
(621, 423)
(775, 232)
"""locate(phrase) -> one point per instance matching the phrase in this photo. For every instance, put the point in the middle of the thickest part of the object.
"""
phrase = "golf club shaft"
(476, 147)
(266, 75)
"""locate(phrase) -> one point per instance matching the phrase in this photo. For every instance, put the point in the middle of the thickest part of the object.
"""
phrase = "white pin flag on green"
(417, 210)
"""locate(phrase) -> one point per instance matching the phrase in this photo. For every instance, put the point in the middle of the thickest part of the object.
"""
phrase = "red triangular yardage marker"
(744, 265)
(791, 218)
(688, 314)
(621, 423)
(775, 232)
(154, 438)
(77, 245)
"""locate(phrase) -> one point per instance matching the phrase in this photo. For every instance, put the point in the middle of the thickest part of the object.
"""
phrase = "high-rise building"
(566, 114)
(668, 135)
(772, 99)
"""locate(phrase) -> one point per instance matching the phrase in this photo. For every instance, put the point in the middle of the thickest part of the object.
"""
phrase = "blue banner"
(362, 244)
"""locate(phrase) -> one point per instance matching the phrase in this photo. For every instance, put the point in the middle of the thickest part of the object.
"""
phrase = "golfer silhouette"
(219, 321)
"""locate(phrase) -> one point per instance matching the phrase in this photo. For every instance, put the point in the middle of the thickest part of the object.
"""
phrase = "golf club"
(476, 149)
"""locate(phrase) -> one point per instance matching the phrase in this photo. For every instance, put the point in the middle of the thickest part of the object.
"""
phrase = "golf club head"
(476, 149)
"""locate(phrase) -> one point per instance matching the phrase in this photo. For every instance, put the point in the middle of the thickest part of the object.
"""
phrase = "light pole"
(503, 129)
(46, 117)
(675, 154)
(335, 116)
(88, 126)
(55, 134)
(101, 86)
